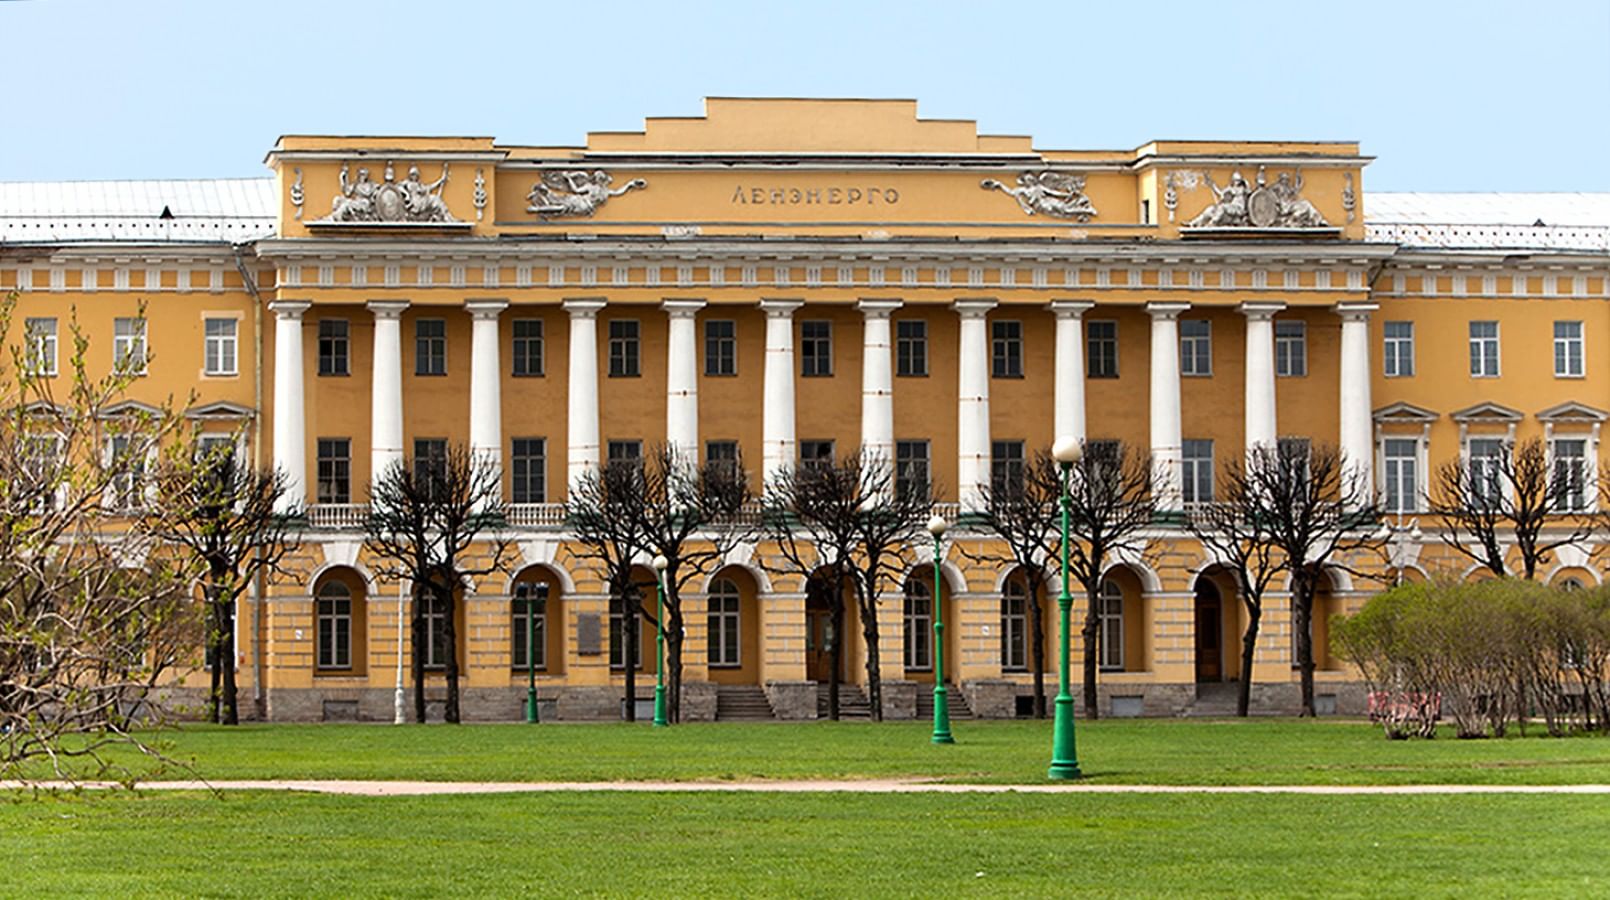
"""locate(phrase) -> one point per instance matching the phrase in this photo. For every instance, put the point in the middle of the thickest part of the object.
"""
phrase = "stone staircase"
(853, 703)
(1213, 700)
(742, 702)
(954, 698)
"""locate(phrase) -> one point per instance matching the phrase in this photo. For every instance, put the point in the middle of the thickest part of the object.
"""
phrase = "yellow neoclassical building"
(790, 278)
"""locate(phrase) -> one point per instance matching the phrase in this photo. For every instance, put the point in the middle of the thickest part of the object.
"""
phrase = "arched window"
(1014, 627)
(1110, 616)
(722, 624)
(1570, 584)
(919, 626)
(335, 625)
(528, 610)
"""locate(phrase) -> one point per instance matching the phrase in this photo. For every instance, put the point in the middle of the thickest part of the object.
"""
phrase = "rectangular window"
(335, 626)
(528, 470)
(435, 611)
(127, 460)
(1569, 478)
(1014, 627)
(1485, 459)
(911, 468)
(1291, 349)
(816, 349)
(722, 624)
(335, 338)
(528, 616)
(41, 458)
(919, 622)
(624, 358)
(335, 470)
(625, 452)
(722, 453)
(220, 346)
(911, 347)
(1196, 461)
(1399, 350)
(617, 633)
(1006, 349)
(1568, 349)
(1401, 458)
(1006, 466)
(527, 347)
(1110, 615)
(1101, 349)
(430, 466)
(816, 453)
(1295, 453)
(1196, 347)
(430, 347)
(40, 353)
(1484, 349)
(721, 347)
(128, 345)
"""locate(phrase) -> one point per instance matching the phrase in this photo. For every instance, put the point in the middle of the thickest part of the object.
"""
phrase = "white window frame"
(1196, 348)
(1417, 489)
(220, 352)
(1478, 350)
(1395, 349)
(1189, 474)
(1110, 621)
(1586, 495)
(1469, 461)
(1567, 344)
(529, 592)
(1295, 344)
(130, 352)
(918, 627)
(40, 354)
(1015, 626)
(320, 617)
(725, 649)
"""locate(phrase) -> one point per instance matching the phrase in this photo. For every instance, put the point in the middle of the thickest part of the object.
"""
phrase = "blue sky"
(1448, 96)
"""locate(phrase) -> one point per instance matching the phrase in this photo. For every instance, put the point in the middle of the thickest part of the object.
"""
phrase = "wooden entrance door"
(818, 633)
(1209, 632)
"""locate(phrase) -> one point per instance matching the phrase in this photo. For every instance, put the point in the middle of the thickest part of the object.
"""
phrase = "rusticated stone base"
(991, 698)
(900, 699)
(699, 701)
(792, 700)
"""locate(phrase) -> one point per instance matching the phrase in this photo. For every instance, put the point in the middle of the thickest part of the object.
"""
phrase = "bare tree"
(1515, 493)
(1319, 512)
(93, 617)
(887, 523)
(1236, 530)
(426, 516)
(810, 513)
(693, 516)
(1110, 505)
(1026, 514)
(223, 513)
(606, 512)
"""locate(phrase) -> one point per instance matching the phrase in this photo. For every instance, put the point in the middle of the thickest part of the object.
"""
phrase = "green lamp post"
(541, 595)
(660, 563)
(936, 527)
(1064, 756)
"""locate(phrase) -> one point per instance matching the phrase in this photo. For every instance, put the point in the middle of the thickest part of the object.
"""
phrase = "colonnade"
(779, 439)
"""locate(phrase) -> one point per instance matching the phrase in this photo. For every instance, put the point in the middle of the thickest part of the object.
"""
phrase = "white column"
(582, 422)
(682, 378)
(877, 379)
(1069, 391)
(386, 397)
(777, 407)
(1167, 487)
(486, 381)
(1358, 453)
(1259, 406)
(290, 421)
(972, 406)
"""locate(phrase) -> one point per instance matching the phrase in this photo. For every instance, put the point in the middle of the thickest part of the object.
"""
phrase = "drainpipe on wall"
(259, 625)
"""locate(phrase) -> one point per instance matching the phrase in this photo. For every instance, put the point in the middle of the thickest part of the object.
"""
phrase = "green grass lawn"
(824, 845)
(1160, 751)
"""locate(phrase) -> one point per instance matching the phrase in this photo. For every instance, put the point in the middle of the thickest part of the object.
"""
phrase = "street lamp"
(1064, 756)
(660, 563)
(936, 527)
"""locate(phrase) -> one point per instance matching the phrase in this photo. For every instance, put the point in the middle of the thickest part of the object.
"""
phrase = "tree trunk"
(1092, 636)
(228, 711)
(417, 669)
(450, 632)
(836, 654)
(215, 677)
(632, 639)
(1249, 646)
(673, 663)
(1305, 643)
(1037, 645)
(874, 674)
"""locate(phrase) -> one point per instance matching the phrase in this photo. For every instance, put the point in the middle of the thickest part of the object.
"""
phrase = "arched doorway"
(819, 633)
(732, 628)
(340, 623)
(537, 603)
(1209, 631)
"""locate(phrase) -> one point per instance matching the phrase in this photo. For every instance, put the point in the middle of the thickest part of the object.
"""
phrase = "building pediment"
(130, 408)
(1572, 411)
(222, 409)
(1404, 412)
(1487, 412)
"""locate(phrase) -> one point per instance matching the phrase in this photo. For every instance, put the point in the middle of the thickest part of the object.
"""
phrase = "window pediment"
(1572, 411)
(1487, 412)
(1404, 412)
(221, 409)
